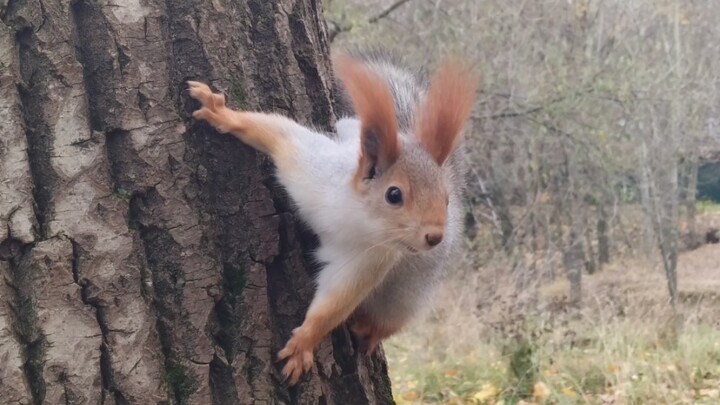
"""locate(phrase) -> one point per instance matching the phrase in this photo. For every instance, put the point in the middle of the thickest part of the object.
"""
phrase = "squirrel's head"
(401, 179)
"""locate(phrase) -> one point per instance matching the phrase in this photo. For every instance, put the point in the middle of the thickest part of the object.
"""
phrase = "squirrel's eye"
(393, 196)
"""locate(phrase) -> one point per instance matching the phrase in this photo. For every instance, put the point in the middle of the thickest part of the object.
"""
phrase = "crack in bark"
(98, 63)
(188, 58)
(98, 67)
(126, 166)
(106, 371)
(33, 94)
(25, 327)
(306, 56)
(158, 246)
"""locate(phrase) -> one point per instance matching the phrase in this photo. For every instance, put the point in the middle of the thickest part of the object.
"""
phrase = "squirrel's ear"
(373, 103)
(441, 116)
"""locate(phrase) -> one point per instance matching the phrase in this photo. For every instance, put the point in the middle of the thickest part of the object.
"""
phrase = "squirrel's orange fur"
(373, 103)
(445, 110)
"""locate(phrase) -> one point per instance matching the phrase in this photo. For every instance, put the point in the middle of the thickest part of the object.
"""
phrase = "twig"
(387, 11)
(337, 28)
(511, 114)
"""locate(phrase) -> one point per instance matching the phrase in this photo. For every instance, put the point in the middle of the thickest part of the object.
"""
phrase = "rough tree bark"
(144, 258)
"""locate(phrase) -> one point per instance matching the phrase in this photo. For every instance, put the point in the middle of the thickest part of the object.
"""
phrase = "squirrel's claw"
(201, 92)
(203, 114)
(297, 364)
(299, 360)
(213, 106)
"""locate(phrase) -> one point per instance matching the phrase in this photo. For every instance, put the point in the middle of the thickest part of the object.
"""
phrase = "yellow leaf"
(488, 392)
(412, 384)
(540, 391)
(569, 392)
(411, 395)
(614, 368)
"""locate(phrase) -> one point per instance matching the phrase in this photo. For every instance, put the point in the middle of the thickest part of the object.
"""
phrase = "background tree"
(145, 258)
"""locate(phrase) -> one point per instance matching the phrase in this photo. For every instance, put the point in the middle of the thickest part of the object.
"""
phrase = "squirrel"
(384, 196)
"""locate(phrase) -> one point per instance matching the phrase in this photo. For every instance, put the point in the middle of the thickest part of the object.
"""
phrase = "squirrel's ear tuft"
(374, 105)
(441, 116)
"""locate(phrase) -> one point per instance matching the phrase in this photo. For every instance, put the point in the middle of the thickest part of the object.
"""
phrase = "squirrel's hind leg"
(370, 332)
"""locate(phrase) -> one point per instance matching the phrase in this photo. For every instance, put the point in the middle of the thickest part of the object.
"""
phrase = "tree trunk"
(691, 199)
(574, 258)
(573, 252)
(146, 258)
(603, 240)
(591, 265)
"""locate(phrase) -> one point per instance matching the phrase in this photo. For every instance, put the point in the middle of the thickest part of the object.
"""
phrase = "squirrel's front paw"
(213, 106)
(299, 356)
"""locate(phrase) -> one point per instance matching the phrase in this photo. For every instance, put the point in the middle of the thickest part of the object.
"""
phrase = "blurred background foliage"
(591, 272)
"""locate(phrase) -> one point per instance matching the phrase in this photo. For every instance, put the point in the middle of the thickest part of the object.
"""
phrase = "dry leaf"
(540, 391)
(488, 392)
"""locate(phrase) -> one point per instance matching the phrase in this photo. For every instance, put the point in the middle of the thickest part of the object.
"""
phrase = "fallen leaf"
(569, 392)
(411, 395)
(487, 392)
(540, 391)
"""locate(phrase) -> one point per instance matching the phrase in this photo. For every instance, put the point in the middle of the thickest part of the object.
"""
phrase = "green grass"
(707, 207)
(623, 362)
(487, 342)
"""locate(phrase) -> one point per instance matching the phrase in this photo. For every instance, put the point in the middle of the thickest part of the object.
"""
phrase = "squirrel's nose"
(433, 238)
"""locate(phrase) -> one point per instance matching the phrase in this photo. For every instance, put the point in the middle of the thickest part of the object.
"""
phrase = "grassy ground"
(484, 343)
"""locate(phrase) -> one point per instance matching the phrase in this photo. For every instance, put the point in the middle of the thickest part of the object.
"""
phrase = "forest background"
(591, 273)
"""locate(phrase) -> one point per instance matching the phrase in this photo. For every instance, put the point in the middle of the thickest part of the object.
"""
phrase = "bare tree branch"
(379, 16)
(336, 28)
